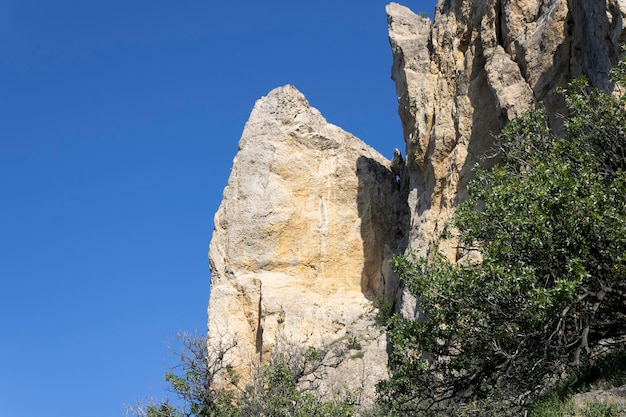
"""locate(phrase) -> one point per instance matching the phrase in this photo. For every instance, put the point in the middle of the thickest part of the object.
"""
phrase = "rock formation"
(478, 64)
(615, 396)
(311, 214)
(303, 236)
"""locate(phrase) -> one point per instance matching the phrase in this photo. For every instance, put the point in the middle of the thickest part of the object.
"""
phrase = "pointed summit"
(303, 237)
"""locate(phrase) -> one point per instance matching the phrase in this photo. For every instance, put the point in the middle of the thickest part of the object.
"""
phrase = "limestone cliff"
(478, 64)
(311, 215)
(303, 236)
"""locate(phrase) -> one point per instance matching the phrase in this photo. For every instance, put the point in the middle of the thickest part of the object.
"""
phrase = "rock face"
(311, 214)
(615, 396)
(477, 65)
(303, 237)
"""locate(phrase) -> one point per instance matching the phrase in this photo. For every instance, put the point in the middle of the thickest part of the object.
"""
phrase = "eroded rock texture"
(477, 65)
(311, 214)
(302, 238)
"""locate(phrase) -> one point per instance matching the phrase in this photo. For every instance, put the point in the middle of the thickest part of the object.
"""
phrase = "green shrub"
(386, 307)
(205, 384)
(542, 285)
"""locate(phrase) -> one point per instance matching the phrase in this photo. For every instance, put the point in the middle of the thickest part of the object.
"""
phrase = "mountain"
(311, 215)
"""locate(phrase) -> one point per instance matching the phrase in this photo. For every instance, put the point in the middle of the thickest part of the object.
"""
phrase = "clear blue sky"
(119, 121)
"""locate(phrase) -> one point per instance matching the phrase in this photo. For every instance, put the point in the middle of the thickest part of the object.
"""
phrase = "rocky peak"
(461, 77)
(303, 236)
(311, 214)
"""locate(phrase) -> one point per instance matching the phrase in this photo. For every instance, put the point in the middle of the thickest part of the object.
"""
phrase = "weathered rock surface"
(311, 214)
(477, 65)
(614, 396)
(303, 236)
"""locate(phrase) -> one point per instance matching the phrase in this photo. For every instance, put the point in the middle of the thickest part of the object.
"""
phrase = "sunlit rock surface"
(477, 65)
(303, 236)
(311, 214)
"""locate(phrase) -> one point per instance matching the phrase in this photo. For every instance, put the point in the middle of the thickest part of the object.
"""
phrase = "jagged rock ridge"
(303, 236)
(311, 214)
(477, 65)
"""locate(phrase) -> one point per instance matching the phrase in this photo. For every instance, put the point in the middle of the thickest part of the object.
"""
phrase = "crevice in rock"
(384, 222)
(500, 26)
(259, 327)
(520, 60)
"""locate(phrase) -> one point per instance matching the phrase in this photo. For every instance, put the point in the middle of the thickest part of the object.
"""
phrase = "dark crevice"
(500, 26)
(259, 327)
(383, 210)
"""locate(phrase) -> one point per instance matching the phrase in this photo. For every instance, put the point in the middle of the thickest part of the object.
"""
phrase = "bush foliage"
(205, 384)
(540, 286)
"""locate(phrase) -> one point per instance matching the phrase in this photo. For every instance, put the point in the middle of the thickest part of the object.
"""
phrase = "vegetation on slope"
(205, 384)
(532, 312)
(539, 291)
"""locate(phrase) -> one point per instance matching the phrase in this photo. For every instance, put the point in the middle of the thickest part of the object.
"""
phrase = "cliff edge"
(303, 237)
(311, 215)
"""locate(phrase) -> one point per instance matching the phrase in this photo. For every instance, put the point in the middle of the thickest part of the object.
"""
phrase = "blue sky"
(119, 121)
